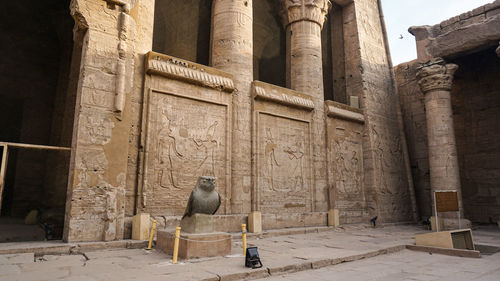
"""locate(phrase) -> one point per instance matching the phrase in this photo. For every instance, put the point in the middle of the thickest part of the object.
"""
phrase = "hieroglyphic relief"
(283, 164)
(345, 166)
(186, 139)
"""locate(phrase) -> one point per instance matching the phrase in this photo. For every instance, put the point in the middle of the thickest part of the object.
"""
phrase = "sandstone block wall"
(475, 106)
(148, 124)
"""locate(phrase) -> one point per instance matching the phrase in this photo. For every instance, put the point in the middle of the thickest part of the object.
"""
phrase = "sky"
(401, 14)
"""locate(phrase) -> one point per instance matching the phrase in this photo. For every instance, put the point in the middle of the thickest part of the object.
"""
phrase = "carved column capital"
(304, 10)
(436, 75)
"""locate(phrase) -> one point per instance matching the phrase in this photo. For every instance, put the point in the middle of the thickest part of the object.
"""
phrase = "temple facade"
(116, 107)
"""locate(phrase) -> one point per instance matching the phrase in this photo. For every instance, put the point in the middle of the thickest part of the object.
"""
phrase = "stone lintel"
(342, 111)
(272, 93)
(460, 35)
(436, 75)
(190, 72)
(304, 10)
(342, 2)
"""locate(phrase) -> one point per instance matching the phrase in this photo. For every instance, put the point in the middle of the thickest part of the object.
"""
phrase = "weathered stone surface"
(143, 126)
(198, 223)
(465, 33)
(141, 225)
(195, 245)
(469, 106)
(255, 222)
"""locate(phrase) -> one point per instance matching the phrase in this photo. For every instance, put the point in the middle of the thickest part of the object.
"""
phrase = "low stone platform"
(195, 245)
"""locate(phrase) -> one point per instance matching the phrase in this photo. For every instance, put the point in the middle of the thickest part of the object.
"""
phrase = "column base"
(333, 217)
(141, 225)
(255, 222)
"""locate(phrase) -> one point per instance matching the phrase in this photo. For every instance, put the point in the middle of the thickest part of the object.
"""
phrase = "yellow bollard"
(244, 238)
(176, 244)
(151, 235)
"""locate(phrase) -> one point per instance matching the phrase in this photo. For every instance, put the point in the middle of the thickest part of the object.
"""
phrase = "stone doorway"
(38, 79)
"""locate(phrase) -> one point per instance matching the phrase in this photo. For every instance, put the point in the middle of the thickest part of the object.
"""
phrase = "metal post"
(151, 235)
(176, 244)
(436, 213)
(244, 238)
(3, 170)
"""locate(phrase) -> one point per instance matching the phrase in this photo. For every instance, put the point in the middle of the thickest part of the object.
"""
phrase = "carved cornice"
(304, 10)
(436, 75)
(271, 93)
(179, 69)
(342, 111)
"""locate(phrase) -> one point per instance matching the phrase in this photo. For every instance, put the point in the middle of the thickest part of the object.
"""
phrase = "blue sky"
(401, 14)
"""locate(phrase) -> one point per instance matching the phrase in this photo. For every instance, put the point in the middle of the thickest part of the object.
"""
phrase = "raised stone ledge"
(179, 69)
(272, 93)
(342, 111)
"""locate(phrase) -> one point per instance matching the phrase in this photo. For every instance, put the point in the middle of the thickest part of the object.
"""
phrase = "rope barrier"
(203, 241)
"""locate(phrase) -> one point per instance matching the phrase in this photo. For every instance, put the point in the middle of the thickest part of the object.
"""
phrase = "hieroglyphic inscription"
(186, 138)
(283, 164)
(345, 167)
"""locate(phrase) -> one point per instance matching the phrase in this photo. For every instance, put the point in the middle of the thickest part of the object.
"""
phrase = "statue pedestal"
(195, 245)
(198, 223)
(198, 238)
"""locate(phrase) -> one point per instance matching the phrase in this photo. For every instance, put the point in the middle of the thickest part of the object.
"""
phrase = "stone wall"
(345, 127)
(147, 126)
(368, 76)
(476, 111)
(412, 104)
(475, 105)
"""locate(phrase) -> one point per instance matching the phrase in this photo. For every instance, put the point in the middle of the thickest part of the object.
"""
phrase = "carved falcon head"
(206, 183)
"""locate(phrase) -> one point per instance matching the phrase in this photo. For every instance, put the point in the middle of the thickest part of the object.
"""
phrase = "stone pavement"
(284, 254)
(405, 265)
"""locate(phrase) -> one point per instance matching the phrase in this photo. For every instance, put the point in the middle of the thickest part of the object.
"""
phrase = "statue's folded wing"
(189, 207)
(218, 205)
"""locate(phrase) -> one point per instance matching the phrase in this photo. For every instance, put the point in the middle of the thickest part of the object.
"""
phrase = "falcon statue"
(203, 199)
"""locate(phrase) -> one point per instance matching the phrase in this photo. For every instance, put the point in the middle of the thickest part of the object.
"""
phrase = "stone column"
(232, 52)
(303, 20)
(435, 80)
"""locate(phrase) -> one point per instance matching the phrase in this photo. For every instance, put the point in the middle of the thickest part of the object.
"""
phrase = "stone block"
(255, 222)
(140, 226)
(333, 217)
(195, 245)
(198, 223)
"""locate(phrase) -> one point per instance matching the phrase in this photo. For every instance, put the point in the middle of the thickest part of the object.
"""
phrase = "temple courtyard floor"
(353, 252)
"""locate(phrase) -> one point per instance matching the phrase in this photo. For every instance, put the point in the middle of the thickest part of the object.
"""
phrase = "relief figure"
(295, 154)
(208, 145)
(168, 154)
(271, 155)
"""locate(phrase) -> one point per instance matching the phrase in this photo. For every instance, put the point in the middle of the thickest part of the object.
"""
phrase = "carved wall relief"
(186, 138)
(345, 127)
(284, 179)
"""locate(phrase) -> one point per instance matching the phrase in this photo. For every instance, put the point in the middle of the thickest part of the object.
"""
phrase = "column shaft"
(232, 51)
(435, 80)
(304, 20)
